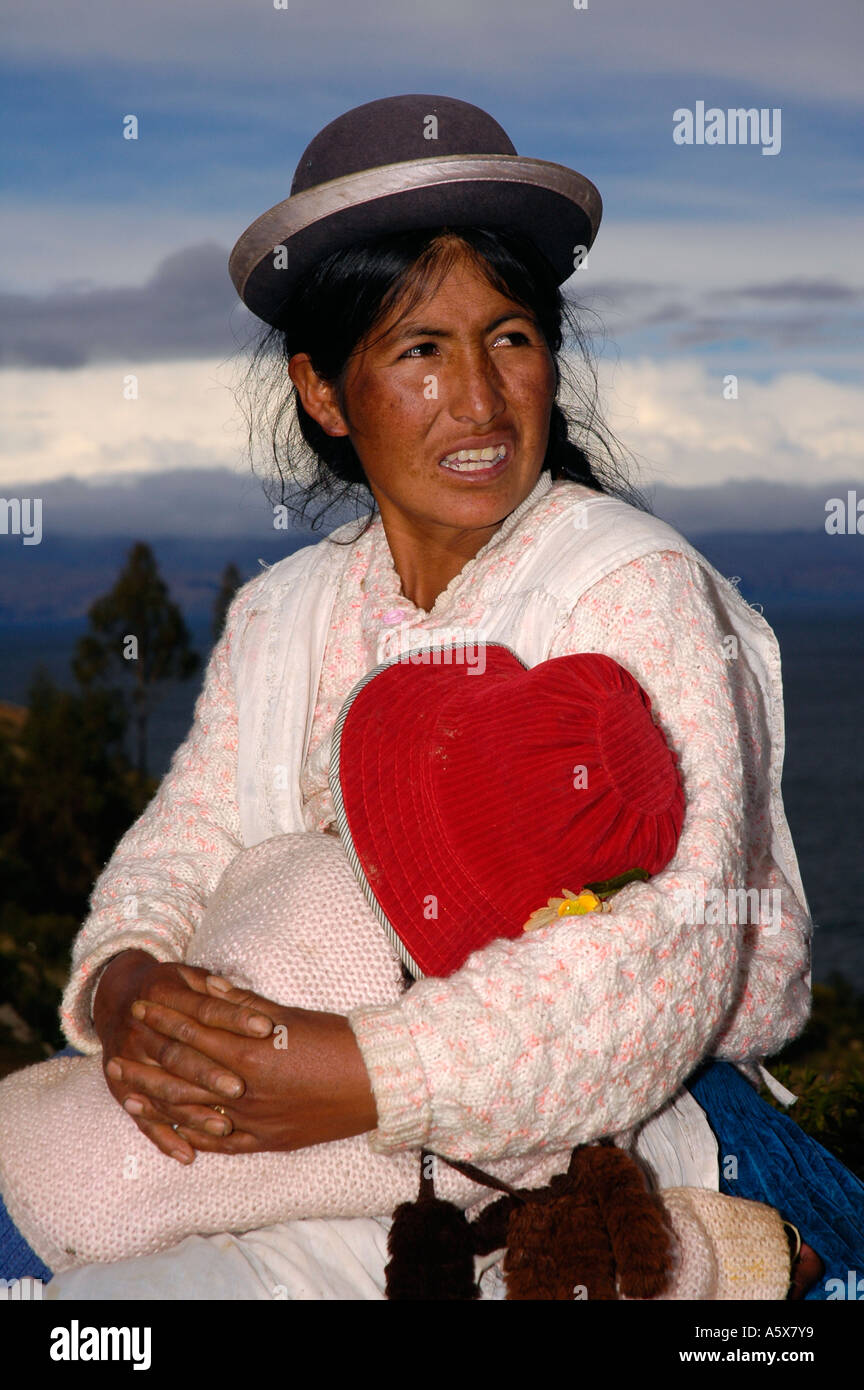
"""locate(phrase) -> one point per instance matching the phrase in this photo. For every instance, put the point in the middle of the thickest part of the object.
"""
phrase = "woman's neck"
(429, 554)
(426, 564)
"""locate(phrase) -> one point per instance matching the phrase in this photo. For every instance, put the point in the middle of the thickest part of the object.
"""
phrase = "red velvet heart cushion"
(468, 792)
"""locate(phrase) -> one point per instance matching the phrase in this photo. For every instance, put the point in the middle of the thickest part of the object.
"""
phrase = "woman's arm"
(151, 894)
(584, 1028)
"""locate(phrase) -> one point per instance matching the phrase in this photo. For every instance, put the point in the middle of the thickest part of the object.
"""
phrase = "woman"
(490, 520)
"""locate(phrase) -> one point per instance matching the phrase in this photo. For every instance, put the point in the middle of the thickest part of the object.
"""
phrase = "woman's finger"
(172, 1144)
(239, 995)
(235, 1010)
(237, 1142)
(163, 1085)
(191, 1117)
(234, 1017)
(195, 976)
(208, 1057)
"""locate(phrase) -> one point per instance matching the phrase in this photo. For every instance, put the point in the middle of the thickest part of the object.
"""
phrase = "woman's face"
(468, 370)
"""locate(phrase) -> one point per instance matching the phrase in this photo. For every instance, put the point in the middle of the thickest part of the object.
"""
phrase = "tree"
(67, 794)
(137, 634)
(228, 586)
(74, 795)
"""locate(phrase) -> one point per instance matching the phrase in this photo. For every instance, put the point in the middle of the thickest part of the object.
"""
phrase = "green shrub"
(824, 1067)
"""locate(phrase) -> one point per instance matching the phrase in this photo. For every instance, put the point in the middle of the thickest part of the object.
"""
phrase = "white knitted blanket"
(85, 1186)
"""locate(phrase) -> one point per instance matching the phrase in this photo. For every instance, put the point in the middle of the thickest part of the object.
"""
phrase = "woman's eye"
(516, 336)
(418, 348)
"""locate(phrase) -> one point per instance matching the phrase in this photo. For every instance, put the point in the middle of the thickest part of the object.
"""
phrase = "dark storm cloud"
(194, 502)
(785, 314)
(746, 504)
(188, 309)
(218, 502)
(795, 291)
(788, 331)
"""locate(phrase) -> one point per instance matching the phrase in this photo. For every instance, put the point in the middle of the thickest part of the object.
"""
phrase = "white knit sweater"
(563, 1036)
(63, 1137)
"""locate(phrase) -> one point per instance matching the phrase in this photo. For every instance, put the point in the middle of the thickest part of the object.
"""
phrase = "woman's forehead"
(456, 277)
(446, 259)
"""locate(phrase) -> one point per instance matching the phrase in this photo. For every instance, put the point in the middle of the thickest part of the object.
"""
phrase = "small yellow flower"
(586, 901)
(571, 905)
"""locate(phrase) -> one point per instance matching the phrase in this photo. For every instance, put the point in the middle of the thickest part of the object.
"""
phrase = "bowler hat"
(402, 163)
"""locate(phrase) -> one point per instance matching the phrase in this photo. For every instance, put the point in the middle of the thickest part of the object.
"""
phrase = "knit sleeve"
(587, 1026)
(151, 894)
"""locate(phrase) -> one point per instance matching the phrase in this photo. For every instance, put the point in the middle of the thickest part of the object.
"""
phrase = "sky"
(712, 260)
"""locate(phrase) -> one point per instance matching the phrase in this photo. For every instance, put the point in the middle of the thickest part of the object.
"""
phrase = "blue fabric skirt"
(17, 1260)
(776, 1162)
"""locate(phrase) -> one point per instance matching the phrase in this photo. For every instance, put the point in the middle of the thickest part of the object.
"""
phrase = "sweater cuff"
(76, 1006)
(397, 1078)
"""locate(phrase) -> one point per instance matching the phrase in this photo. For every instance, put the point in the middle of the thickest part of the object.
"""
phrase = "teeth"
(472, 460)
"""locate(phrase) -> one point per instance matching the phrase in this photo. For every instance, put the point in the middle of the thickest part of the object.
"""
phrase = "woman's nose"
(475, 391)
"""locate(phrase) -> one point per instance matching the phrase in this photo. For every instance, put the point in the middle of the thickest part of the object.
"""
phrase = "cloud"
(753, 504)
(727, 282)
(222, 503)
(50, 242)
(182, 311)
(796, 427)
(790, 331)
(724, 254)
(81, 423)
(187, 307)
(201, 502)
(811, 291)
(787, 45)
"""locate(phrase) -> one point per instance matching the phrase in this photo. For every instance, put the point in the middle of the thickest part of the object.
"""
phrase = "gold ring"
(220, 1110)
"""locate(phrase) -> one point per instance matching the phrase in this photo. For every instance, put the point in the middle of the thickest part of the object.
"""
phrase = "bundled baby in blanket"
(511, 787)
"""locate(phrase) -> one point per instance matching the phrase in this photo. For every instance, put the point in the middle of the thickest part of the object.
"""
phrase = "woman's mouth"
(477, 463)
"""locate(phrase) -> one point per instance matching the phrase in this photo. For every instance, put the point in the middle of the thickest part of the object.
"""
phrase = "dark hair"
(346, 297)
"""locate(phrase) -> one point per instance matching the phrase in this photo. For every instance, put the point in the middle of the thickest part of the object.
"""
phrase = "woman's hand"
(177, 1075)
(304, 1084)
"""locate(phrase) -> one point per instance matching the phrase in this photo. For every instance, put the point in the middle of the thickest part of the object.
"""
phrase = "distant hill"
(58, 580)
(770, 534)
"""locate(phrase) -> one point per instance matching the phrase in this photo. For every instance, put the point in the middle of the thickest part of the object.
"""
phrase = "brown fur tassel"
(557, 1242)
(489, 1229)
(596, 1228)
(640, 1236)
(431, 1248)
(594, 1232)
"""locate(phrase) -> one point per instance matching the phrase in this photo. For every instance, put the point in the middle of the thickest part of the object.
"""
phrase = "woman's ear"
(317, 396)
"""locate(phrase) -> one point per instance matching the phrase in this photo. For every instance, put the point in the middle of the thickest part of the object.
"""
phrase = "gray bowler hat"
(402, 163)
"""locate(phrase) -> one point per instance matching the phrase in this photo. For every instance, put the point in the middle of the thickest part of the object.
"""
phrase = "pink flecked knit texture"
(576, 1031)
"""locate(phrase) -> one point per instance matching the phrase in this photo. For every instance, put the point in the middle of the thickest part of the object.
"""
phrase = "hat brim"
(556, 207)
